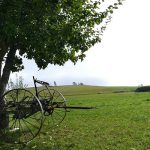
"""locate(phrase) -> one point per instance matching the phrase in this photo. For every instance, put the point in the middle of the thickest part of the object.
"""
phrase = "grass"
(121, 121)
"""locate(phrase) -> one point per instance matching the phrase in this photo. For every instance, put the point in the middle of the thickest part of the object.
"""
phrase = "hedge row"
(143, 89)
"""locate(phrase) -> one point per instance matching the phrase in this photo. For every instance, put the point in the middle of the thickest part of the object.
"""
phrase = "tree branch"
(3, 50)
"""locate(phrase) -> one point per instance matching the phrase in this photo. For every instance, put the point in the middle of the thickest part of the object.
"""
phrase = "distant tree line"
(76, 84)
(143, 89)
(19, 83)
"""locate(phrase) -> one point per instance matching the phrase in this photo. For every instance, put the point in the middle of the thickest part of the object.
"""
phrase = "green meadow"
(120, 121)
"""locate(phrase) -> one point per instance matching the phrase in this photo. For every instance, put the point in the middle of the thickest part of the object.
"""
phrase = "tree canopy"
(48, 31)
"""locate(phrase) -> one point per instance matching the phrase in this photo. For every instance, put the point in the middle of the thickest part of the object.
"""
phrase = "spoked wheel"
(54, 105)
(24, 114)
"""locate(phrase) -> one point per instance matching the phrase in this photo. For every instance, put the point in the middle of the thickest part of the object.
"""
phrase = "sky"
(121, 59)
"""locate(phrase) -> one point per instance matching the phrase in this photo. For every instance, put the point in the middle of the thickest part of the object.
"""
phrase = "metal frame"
(21, 104)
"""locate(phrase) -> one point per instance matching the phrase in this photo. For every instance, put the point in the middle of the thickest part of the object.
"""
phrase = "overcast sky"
(121, 59)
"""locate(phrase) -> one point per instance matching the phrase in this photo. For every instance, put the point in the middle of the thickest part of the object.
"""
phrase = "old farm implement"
(25, 112)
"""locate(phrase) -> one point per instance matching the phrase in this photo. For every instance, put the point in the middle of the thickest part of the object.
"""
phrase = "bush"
(143, 89)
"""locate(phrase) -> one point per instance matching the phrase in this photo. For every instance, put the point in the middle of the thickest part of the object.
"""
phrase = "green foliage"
(53, 31)
(143, 89)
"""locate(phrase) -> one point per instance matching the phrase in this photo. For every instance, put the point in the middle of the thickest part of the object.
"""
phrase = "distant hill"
(69, 90)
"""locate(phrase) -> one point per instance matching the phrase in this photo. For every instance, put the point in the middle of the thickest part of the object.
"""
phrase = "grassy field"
(121, 121)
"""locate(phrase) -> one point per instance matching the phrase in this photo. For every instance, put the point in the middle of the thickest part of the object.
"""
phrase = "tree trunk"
(4, 116)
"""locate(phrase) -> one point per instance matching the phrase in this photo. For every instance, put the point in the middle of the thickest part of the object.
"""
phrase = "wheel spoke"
(21, 127)
(24, 122)
(56, 98)
(14, 124)
(30, 123)
(28, 127)
(58, 114)
(17, 95)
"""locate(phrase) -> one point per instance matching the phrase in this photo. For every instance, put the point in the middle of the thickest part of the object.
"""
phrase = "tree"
(80, 83)
(18, 84)
(55, 84)
(74, 83)
(48, 31)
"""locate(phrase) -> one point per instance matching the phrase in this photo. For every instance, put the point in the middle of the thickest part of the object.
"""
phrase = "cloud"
(121, 59)
(63, 75)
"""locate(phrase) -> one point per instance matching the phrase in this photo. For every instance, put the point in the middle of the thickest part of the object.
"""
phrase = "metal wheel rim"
(21, 124)
(52, 95)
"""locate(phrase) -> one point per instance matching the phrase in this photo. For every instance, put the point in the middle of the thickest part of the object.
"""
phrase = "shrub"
(143, 89)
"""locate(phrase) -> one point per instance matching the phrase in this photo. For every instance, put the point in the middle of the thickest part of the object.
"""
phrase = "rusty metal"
(26, 112)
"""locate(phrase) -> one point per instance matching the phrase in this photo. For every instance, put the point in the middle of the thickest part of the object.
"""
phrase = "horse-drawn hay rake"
(25, 112)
